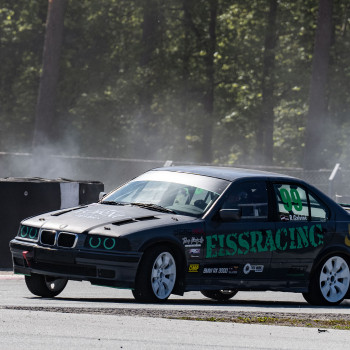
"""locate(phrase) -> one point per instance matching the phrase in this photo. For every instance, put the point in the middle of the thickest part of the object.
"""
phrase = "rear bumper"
(117, 269)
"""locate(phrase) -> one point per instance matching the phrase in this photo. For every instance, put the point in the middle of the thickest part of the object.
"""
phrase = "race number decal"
(291, 199)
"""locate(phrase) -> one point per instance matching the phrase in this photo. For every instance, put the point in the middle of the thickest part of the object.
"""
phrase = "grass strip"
(319, 320)
(276, 321)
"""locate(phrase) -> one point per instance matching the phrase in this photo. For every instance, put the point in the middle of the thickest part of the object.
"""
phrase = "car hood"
(90, 219)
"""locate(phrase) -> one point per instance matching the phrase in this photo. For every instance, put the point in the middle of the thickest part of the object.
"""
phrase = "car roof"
(225, 173)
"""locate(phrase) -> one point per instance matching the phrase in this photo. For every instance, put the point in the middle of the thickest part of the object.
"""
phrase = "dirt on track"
(335, 321)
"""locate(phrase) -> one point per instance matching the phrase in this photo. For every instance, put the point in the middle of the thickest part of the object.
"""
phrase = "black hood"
(88, 218)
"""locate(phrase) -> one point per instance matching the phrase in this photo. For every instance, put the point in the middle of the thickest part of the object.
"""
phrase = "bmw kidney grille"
(59, 239)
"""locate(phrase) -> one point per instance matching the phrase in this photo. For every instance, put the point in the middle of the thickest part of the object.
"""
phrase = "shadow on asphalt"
(204, 302)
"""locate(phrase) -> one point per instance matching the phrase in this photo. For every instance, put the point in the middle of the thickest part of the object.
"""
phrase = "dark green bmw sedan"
(215, 230)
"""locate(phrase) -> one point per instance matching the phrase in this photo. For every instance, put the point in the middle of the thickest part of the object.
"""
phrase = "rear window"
(294, 203)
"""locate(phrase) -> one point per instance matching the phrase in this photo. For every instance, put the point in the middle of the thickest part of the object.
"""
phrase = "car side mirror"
(102, 195)
(230, 214)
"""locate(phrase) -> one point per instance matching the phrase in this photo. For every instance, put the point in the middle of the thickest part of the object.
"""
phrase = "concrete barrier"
(25, 197)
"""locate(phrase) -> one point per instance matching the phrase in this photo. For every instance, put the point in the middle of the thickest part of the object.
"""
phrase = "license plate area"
(54, 256)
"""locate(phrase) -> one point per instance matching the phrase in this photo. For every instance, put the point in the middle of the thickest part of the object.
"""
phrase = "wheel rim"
(55, 284)
(163, 275)
(334, 279)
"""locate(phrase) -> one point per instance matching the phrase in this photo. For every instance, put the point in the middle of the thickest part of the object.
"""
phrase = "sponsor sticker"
(193, 268)
(221, 270)
(198, 231)
(195, 252)
(347, 237)
(255, 268)
(190, 242)
(297, 217)
(284, 217)
(284, 239)
(92, 213)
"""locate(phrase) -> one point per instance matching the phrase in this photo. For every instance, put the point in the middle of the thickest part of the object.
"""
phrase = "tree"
(208, 96)
(45, 111)
(146, 124)
(200, 18)
(264, 134)
(318, 88)
(187, 80)
(21, 44)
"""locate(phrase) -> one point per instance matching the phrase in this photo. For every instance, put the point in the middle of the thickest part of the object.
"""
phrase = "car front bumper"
(116, 269)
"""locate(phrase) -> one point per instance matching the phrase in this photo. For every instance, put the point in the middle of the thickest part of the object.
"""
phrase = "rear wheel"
(330, 283)
(219, 295)
(45, 286)
(156, 276)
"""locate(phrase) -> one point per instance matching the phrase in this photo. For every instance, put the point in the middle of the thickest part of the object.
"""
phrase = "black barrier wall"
(25, 197)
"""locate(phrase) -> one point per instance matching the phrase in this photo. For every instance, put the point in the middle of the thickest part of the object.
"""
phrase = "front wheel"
(45, 286)
(156, 276)
(330, 283)
(219, 295)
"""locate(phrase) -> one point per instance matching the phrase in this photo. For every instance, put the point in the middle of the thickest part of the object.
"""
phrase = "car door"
(237, 249)
(301, 225)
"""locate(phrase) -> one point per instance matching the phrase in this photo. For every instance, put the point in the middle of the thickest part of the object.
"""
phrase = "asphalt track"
(99, 317)
(83, 294)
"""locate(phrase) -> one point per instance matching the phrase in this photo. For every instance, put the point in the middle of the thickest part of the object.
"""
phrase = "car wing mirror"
(102, 195)
(230, 214)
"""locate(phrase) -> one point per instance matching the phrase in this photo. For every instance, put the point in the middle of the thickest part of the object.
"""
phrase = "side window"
(319, 212)
(251, 198)
(292, 202)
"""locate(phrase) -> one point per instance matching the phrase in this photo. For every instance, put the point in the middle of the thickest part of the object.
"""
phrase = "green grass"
(277, 321)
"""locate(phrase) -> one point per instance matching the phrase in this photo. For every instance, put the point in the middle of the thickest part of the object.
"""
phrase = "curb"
(11, 277)
(7, 274)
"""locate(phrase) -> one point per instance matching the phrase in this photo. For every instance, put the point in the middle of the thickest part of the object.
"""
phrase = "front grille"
(59, 239)
(67, 240)
(48, 237)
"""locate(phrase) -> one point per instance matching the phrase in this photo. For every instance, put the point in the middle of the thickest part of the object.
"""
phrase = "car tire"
(45, 286)
(156, 276)
(219, 295)
(330, 283)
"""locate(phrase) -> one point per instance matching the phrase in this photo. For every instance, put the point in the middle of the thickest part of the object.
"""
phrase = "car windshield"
(181, 193)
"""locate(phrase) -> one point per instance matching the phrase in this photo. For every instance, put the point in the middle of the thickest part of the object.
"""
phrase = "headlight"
(28, 232)
(97, 242)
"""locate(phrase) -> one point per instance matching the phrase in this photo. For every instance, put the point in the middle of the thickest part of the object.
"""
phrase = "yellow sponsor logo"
(193, 268)
(347, 237)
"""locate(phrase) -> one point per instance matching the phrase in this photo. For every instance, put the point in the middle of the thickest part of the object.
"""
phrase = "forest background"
(235, 82)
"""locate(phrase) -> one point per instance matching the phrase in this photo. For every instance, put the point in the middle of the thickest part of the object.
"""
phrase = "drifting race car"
(210, 229)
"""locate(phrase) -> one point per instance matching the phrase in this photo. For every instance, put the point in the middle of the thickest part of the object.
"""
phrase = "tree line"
(211, 81)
